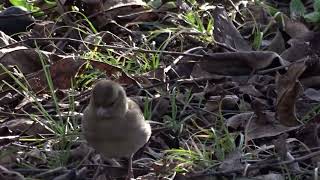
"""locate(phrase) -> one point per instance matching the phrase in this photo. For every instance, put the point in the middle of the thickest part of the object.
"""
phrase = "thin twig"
(258, 166)
(107, 47)
(281, 67)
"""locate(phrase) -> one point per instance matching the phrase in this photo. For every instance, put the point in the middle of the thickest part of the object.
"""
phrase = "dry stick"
(31, 171)
(180, 80)
(282, 67)
(116, 47)
(251, 167)
(50, 172)
(107, 46)
(225, 46)
(13, 114)
(167, 69)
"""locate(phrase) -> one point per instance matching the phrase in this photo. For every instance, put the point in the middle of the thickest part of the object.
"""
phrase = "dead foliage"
(231, 88)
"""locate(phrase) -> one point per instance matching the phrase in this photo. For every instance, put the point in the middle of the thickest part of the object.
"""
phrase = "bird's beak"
(103, 112)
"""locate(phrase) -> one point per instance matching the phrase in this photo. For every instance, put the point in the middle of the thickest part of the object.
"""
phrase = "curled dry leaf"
(112, 9)
(277, 44)
(114, 73)
(225, 32)
(26, 60)
(64, 70)
(302, 47)
(288, 90)
(61, 72)
(199, 73)
(254, 129)
(239, 63)
(294, 28)
(296, 51)
(27, 126)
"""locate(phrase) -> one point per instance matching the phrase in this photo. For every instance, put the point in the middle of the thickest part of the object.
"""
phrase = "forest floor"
(230, 88)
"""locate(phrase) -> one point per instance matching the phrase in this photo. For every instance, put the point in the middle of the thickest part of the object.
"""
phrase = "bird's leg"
(130, 171)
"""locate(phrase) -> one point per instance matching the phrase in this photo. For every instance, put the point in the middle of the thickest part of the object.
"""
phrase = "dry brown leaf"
(277, 44)
(63, 71)
(27, 60)
(294, 28)
(254, 129)
(226, 32)
(288, 91)
(239, 63)
(26, 126)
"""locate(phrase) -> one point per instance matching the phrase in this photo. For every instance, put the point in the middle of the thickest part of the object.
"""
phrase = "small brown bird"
(114, 124)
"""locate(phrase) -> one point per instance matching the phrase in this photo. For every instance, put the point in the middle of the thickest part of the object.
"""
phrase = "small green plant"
(87, 77)
(172, 121)
(148, 61)
(315, 15)
(257, 40)
(259, 33)
(31, 5)
(202, 24)
(187, 159)
(206, 148)
(147, 110)
(297, 9)
(64, 129)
